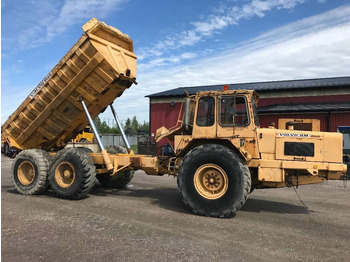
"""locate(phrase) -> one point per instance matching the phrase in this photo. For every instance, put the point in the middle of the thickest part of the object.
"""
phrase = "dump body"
(99, 67)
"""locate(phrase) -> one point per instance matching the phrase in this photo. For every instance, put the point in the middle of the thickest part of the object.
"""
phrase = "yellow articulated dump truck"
(219, 152)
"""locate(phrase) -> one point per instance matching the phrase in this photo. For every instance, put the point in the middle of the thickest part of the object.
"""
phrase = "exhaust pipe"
(187, 111)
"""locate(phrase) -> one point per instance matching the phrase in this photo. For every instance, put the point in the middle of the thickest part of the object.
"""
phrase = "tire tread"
(41, 160)
(88, 174)
(227, 153)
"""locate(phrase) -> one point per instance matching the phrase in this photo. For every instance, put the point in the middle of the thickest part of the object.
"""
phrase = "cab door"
(205, 118)
(236, 122)
(234, 118)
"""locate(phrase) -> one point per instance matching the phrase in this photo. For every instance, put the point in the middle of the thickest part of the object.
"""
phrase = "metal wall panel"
(339, 119)
(117, 140)
(302, 99)
(164, 114)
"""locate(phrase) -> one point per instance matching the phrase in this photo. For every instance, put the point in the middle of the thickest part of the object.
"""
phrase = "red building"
(325, 99)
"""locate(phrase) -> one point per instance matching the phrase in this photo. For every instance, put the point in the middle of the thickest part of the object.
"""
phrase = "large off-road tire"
(72, 174)
(213, 181)
(30, 171)
(119, 180)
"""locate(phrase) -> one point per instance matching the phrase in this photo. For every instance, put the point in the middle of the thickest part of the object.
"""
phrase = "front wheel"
(213, 181)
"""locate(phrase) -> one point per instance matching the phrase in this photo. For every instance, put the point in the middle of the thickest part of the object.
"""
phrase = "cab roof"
(228, 93)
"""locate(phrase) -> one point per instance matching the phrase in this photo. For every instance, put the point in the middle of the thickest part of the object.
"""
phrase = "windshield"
(233, 111)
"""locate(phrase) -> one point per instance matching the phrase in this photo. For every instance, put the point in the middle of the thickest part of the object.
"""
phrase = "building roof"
(261, 86)
(305, 107)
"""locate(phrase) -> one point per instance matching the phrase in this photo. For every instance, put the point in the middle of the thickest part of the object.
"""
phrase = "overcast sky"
(178, 43)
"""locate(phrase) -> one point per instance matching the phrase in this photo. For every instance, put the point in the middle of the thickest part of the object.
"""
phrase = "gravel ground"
(147, 221)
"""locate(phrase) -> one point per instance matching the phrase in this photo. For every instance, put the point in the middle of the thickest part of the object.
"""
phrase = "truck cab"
(275, 157)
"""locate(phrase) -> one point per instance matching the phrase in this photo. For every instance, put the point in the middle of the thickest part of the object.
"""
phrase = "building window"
(233, 111)
(205, 112)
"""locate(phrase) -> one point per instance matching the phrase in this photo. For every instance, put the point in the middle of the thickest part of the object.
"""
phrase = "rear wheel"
(213, 181)
(72, 174)
(119, 180)
(30, 171)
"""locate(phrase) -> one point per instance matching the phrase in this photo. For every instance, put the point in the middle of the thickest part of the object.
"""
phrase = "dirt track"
(148, 222)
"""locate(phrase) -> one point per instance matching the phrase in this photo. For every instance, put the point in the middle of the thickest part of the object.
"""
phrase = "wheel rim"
(211, 181)
(26, 173)
(65, 174)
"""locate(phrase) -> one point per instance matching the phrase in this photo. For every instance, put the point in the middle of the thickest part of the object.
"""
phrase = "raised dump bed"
(98, 68)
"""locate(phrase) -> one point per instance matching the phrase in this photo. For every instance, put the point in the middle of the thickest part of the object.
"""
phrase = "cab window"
(255, 112)
(234, 111)
(205, 111)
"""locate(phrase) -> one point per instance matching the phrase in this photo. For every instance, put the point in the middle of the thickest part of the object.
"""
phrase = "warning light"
(225, 87)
